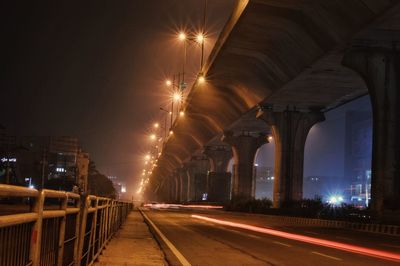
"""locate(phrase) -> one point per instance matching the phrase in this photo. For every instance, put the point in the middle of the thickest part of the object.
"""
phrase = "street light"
(201, 79)
(200, 38)
(182, 36)
(177, 97)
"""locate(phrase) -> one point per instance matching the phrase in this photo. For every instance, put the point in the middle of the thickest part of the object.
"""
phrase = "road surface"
(202, 242)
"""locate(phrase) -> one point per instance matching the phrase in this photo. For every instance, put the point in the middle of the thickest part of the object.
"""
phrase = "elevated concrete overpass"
(290, 61)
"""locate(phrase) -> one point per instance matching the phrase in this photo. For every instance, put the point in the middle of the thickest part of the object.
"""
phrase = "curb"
(159, 237)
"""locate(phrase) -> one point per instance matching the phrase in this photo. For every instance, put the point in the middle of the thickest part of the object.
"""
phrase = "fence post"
(46, 233)
(62, 232)
(77, 227)
(37, 230)
(82, 230)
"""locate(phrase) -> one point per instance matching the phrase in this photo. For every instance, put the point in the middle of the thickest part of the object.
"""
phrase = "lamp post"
(165, 121)
(177, 95)
(192, 38)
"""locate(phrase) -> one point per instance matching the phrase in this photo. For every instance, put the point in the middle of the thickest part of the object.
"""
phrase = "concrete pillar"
(380, 69)
(190, 181)
(161, 194)
(197, 169)
(183, 182)
(244, 148)
(290, 130)
(171, 188)
(177, 184)
(219, 180)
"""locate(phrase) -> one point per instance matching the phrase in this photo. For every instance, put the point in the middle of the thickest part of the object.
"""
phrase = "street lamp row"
(177, 98)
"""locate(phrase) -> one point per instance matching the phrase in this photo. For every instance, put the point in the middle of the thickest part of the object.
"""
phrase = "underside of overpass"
(283, 56)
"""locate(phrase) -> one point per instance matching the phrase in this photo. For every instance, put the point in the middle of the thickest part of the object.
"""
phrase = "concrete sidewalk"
(133, 244)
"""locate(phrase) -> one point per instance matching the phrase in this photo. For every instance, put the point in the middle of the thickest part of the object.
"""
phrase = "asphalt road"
(207, 243)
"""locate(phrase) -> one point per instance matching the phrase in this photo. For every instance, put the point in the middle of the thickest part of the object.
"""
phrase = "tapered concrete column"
(164, 195)
(380, 69)
(290, 130)
(163, 192)
(183, 183)
(197, 169)
(177, 184)
(171, 185)
(244, 148)
(190, 181)
(219, 180)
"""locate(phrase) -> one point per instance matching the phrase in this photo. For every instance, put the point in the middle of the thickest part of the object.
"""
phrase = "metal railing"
(56, 227)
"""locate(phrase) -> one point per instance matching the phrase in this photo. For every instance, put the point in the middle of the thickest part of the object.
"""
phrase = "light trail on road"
(177, 206)
(312, 240)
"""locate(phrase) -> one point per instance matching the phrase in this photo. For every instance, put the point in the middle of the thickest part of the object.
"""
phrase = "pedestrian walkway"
(133, 244)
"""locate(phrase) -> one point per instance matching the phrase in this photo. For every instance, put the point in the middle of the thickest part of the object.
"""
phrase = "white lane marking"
(241, 233)
(389, 245)
(326, 256)
(282, 244)
(311, 232)
(174, 250)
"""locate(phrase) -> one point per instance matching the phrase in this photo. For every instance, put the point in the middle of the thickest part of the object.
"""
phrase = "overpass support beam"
(244, 148)
(219, 180)
(380, 69)
(290, 130)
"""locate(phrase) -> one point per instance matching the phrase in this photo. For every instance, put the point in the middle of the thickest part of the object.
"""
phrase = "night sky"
(96, 70)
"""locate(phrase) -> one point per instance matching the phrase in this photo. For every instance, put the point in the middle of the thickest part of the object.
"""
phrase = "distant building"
(42, 161)
(82, 170)
(358, 156)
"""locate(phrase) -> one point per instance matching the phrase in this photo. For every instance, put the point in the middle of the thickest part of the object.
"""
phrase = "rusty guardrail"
(57, 228)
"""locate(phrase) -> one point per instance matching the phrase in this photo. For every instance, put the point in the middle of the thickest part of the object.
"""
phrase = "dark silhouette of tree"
(99, 184)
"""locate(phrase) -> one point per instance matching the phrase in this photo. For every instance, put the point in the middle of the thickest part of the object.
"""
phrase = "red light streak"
(175, 206)
(202, 206)
(312, 240)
